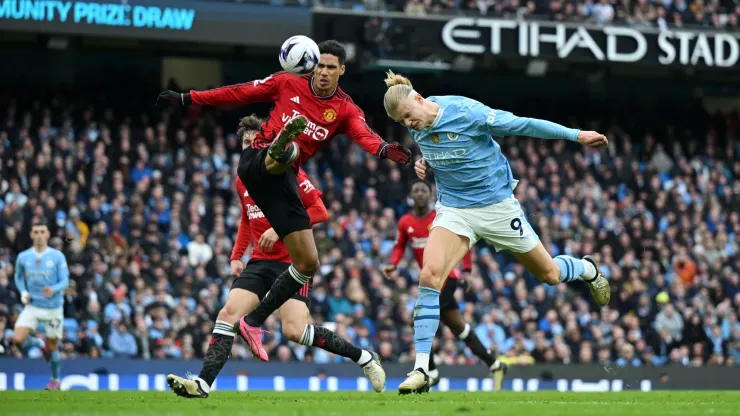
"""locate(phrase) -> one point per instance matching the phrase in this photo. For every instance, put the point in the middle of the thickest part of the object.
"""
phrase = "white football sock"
(422, 361)
(365, 358)
(589, 270)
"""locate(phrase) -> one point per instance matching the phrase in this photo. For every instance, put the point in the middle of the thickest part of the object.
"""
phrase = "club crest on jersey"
(330, 115)
(38, 262)
(435, 138)
(453, 136)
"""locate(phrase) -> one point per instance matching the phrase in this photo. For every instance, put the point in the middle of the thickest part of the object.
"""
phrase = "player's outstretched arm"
(262, 90)
(503, 123)
(356, 128)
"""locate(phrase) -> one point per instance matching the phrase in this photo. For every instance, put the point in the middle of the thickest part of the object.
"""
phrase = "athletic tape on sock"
(307, 337)
(298, 276)
(465, 332)
(223, 328)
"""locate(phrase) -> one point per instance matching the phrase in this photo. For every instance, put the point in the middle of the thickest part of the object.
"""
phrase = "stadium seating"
(134, 194)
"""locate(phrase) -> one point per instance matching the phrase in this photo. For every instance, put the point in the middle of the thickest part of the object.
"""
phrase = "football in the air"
(299, 55)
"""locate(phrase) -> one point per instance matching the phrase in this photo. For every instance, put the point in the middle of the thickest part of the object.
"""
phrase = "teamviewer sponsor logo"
(254, 212)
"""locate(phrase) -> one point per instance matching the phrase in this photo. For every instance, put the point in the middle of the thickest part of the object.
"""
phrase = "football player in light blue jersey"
(42, 276)
(475, 200)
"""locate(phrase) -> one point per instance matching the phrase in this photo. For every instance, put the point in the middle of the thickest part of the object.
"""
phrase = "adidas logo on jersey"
(296, 100)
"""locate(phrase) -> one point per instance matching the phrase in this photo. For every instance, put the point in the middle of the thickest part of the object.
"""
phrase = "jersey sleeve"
(400, 245)
(244, 232)
(308, 193)
(355, 127)
(19, 272)
(257, 91)
(62, 274)
(501, 123)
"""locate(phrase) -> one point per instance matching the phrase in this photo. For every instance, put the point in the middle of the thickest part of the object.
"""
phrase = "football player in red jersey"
(269, 259)
(415, 227)
(308, 112)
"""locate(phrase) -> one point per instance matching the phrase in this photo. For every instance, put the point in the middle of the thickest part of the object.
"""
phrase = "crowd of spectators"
(662, 14)
(152, 215)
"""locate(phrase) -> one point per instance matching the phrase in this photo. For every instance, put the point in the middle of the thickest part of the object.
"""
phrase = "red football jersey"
(415, 229)
(294, 95)
(256, 224)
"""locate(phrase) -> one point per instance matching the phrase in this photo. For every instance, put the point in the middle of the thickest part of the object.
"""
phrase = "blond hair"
(399, 87)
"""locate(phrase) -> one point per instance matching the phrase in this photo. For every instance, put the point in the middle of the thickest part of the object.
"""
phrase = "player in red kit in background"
(415, 227)
(308, 111)
(269, 259)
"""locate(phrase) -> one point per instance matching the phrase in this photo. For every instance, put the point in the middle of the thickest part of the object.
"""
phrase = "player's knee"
(307, 265)
(293, 329)
(52, 344)
(431, 276)
(228, 314)
(456, 327)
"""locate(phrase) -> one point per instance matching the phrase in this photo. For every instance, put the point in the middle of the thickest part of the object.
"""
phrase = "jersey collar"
(40, 253)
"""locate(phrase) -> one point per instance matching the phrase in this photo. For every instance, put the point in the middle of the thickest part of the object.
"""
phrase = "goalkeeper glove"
(395, 152)
(169, 96)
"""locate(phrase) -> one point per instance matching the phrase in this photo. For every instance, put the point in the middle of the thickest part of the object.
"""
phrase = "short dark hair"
(332, 47)
(249, 123)
(423, 182)
(40, 222)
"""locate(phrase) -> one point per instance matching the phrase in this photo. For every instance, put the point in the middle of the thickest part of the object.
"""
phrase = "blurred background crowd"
(148, 202)
(662, 14)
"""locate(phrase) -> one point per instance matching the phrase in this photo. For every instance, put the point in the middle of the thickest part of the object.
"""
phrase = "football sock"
(327, 340)
(571, 269)
(432, 364)
(472, 341)
(426, 322)
(285, 286)
(218, 351)
(589, 271)
(56, 364)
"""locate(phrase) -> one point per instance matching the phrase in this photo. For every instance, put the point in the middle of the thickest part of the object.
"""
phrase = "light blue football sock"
(426, 322)
(56, 364)
(571, 269)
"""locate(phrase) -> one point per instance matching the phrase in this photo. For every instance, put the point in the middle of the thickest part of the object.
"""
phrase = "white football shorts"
(503, 225)
(31, 316)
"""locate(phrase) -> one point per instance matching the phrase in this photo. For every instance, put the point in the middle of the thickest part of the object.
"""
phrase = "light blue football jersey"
(34, 271)
(469, 168)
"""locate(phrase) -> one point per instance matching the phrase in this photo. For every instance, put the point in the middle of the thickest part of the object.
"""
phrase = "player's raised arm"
(503, 123)
(261, 90)
(356, 128)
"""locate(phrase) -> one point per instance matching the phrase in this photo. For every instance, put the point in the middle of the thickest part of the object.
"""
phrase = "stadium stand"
(664, 15)
(150, 211)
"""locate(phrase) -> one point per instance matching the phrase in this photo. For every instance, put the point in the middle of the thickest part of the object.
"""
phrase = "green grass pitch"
(674, 403)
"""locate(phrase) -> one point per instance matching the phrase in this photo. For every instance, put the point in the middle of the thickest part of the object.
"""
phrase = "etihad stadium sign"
(608, 43)
(443, 38)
